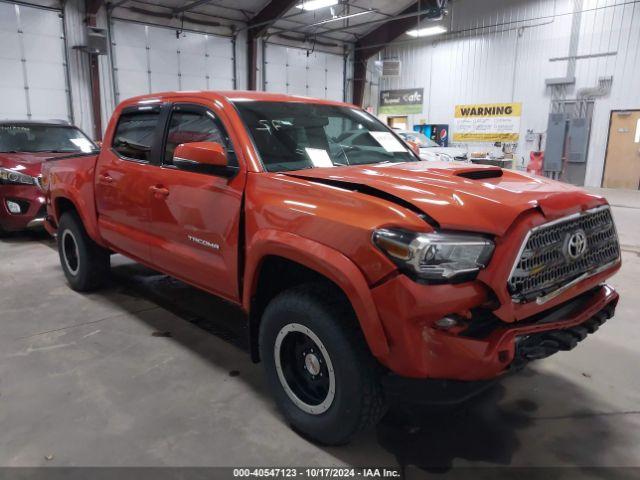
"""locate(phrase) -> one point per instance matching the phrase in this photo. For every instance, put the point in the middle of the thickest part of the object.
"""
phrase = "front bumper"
(32, 204)
(418, 349)
(535, 345)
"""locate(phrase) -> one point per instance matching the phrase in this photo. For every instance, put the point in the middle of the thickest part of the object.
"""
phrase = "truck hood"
(27, 163)
(459, 197)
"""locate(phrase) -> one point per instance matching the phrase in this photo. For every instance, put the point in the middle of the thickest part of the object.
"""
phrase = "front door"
(622, 163)
(196, 216)
(122, 181)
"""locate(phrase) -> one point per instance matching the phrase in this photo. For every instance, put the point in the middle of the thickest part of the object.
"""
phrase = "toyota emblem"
(576, 245)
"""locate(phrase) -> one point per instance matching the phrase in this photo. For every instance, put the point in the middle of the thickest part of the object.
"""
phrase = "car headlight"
(12, 177)
(437, 256)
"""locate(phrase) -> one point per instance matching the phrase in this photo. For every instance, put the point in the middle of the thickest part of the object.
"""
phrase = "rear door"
(196, 216)
(123, 180)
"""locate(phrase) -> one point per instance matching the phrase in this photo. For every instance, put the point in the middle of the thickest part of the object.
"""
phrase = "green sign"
(401, 101)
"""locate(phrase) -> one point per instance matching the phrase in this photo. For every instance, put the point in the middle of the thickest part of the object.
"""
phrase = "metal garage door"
(149, 59)
(33, 71)
(291, 70)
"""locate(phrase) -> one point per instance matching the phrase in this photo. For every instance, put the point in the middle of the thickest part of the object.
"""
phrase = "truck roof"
(232, 95)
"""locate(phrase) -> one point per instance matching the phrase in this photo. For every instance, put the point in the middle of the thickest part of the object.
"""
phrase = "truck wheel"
(85, 264)
(321, 372)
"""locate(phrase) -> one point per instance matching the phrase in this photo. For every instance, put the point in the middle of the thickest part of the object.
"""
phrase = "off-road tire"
(358, 401)
(87, 266)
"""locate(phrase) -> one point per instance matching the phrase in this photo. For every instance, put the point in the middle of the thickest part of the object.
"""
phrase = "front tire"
(85, 264)
(318, 365)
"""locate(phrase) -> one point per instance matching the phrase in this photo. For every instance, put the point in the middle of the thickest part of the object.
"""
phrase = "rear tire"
(323, 377)
(85, 263)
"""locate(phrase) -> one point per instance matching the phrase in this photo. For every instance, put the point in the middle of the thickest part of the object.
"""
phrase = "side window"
(196, 126)
(134, 135)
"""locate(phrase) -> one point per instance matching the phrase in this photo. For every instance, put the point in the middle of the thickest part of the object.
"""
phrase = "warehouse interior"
(152, 372)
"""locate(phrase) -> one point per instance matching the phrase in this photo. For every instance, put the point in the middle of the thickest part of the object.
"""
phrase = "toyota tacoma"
(367, 276)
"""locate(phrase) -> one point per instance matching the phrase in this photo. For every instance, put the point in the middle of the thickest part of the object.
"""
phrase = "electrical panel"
(578, 140)
(554, 149)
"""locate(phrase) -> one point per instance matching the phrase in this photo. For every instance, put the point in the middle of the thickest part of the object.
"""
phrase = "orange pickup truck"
(367, 276)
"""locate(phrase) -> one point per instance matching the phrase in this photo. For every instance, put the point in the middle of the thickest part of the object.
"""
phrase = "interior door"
(196, 216)
(123, 180)
(622, 163)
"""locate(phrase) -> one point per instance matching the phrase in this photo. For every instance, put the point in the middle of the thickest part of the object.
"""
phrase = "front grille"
(546, 263)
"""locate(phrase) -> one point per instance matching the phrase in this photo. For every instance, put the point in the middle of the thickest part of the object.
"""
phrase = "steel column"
(258, 26)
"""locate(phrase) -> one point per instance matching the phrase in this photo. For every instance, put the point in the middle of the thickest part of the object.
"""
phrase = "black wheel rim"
(304, 369)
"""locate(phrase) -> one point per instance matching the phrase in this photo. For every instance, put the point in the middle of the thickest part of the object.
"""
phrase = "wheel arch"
(277, 260)
(64, 203)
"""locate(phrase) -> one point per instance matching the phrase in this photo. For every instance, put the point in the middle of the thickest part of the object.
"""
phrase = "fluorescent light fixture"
(426, 32)
(316, 4)
(344, 17)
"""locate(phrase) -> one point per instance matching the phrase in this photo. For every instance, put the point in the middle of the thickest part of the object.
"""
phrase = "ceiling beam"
(258, 26)
(273, 11)
(376, 40)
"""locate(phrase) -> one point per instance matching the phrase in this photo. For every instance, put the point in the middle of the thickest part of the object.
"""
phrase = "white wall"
(487, 63)
(149, 59)
(33, 73)
(298, 71)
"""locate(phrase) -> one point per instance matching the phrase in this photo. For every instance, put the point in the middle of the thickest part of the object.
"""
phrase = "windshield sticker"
(388, 142)
(319, 157)
(83, 144)
(13, 128)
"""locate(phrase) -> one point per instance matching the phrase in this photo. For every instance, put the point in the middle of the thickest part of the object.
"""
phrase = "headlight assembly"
(15, 178)
(437, 256)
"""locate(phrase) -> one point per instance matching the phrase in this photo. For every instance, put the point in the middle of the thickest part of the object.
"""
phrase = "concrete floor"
(150, 372)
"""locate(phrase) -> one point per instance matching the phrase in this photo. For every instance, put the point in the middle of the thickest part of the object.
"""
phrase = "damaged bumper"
(487, 347)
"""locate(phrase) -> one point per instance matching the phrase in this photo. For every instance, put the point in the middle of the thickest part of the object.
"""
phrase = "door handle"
(105, 178)
(159, 191)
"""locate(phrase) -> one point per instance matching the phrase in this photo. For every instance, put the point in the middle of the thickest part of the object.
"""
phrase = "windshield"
(296, 136)
(17, 138)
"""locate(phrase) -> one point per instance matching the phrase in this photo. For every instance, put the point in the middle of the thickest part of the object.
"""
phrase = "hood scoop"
(478, 173)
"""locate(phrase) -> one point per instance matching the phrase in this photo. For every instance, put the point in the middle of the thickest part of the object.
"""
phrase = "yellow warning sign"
(487, 122)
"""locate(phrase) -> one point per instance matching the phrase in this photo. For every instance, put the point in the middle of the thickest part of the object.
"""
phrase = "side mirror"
(203, 157)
